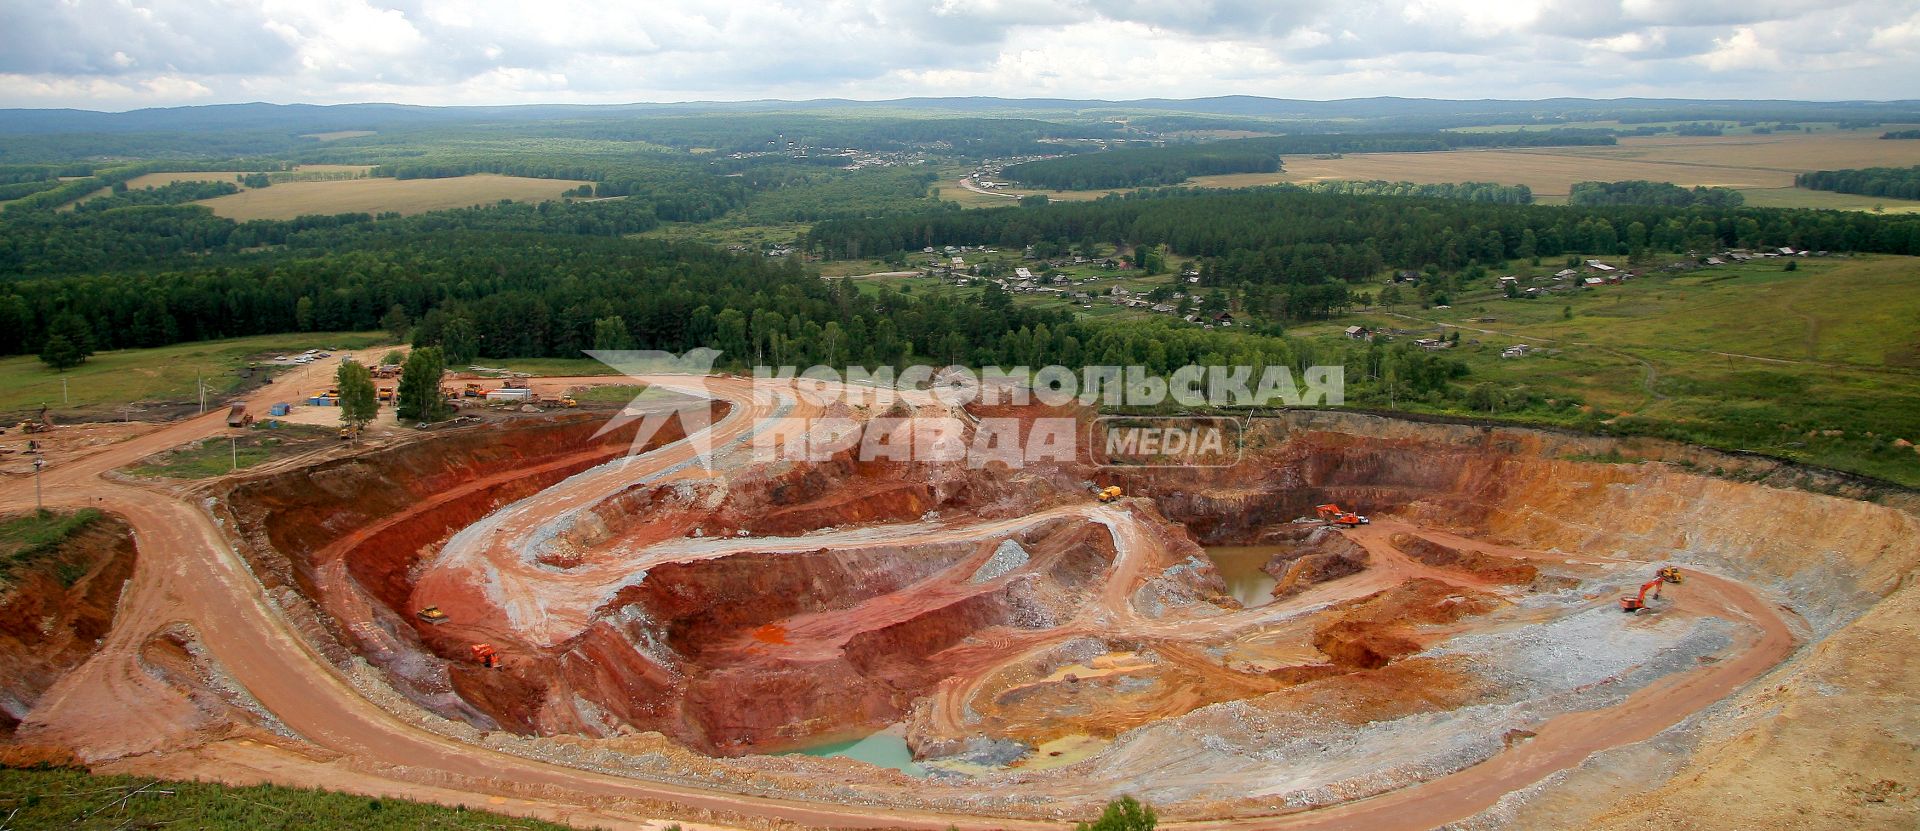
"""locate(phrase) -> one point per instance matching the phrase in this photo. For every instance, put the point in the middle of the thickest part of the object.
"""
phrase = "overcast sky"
(123, 54)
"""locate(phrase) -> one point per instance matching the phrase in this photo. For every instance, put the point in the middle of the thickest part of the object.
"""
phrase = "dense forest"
(1175, 163)
(1464, 191)
(175, 193)
(1407, 233)
(1146, 166)
(1660, 194)
(1298, 250)
(1894, 182)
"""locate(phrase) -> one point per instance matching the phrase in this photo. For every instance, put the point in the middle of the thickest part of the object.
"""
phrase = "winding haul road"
(187, 573)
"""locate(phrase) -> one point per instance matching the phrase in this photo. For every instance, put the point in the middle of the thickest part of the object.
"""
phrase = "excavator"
(1638, 602)
(1331, 514)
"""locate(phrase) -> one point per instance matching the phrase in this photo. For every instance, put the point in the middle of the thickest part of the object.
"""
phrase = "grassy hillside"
(112, 379)
(46, 799)
(1820, 364)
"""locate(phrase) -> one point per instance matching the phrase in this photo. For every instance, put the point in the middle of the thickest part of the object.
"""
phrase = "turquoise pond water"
(881, 749)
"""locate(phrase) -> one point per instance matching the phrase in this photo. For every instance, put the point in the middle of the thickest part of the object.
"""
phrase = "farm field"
(338, 135)
(376, 195)
(1761, 166)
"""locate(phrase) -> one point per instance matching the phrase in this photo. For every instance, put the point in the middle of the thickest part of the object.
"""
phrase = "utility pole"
(64, 400)
(201, 384)
(39, 506)
(234, 445)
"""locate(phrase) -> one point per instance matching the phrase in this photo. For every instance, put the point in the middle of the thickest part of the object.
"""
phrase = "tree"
(69, 343)
(611, 333)
(303, 314)
(1390, 297)
(419, 393)
(396, 322)
(358, 403)
(459, 341)
(1123, 814)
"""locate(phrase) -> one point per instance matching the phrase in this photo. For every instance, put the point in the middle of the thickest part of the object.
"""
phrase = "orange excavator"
(1331, 514)
(486, 655)
(1634, 603)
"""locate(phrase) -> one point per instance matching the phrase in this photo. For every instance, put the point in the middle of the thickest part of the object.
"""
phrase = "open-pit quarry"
(726, 641)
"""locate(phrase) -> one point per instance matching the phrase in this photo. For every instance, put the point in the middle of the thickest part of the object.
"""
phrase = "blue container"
(279, 409)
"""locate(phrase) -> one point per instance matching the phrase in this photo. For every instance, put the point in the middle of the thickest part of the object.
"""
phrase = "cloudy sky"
(123, 54)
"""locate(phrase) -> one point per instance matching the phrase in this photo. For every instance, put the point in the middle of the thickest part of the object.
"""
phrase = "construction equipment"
(1670, 574)
(485, 654)
(1332, 514)
(349, 433)
(432, 614)
(237, 416)
(568, 402)
(473, 390)
(39, 425)
(1634, 603)
(386, 394)
(1109, 493)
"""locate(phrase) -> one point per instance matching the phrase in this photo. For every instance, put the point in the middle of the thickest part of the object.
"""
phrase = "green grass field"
(46, 799)
(30, 538)
(113, 379)
(218, 456)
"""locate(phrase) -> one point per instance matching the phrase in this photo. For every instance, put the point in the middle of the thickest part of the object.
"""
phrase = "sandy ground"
(189, 575)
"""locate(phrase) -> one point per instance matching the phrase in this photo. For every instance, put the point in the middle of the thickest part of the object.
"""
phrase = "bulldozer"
(1332, 514)
(568, 402)
(432, 614)
(485, 654)
(1109, 493)
(1670, 574)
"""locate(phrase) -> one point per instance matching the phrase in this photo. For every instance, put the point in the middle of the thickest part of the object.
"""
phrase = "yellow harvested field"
(1547, 173)
(332, 168)
(1742, 162)
(407, 196)
(154, 180)
(338, 134)
(1761, 166)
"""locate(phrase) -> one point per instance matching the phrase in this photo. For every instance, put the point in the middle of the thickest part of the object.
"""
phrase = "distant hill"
(1383, 113)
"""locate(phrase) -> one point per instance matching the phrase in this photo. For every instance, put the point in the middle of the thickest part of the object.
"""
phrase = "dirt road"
(188, 575)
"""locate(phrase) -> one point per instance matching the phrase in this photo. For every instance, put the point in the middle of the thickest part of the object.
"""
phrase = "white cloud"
(125, 53)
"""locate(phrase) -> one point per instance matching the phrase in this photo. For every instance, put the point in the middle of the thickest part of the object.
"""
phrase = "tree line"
(1663, 194)
(1293, 238)
(1894, 182)
(174, 193)
(1175, 163)
(1464, 191)
(1145, 166)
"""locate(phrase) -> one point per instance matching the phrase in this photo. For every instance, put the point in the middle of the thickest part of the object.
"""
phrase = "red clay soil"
(1380, 628)
(55, 610)
(1319, 554)
(1466, 560)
